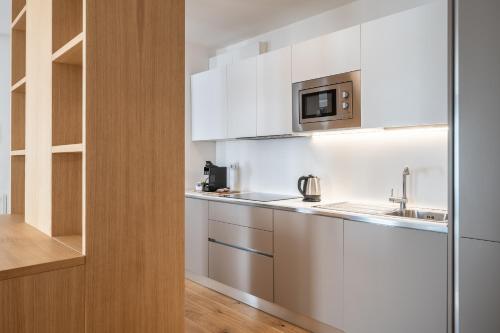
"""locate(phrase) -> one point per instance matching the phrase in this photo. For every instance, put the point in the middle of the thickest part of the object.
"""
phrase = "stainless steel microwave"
(331, 102)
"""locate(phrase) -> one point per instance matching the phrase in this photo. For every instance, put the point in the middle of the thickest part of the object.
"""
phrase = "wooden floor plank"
(210, 312)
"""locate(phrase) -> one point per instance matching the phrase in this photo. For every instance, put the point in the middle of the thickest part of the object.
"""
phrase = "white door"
(404, 79)
(335, 53)
(209, 105)
(308, 265)
(274, 93)
(242, 98)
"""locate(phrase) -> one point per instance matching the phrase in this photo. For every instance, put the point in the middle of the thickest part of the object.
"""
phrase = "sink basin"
(421, 215)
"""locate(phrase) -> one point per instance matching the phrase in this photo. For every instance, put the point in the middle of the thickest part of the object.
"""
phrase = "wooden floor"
(210, 312)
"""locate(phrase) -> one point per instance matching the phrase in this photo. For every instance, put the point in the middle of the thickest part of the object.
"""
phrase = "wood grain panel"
(25, 250)
(66, 104)
(67, 21)
(66, 194)
(59, 301)
(135, 166)
(18, 55)
(18, 121)
(16, 305)
(17, 184)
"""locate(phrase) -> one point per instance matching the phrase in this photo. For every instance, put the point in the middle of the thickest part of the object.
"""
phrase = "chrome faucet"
(404, 199)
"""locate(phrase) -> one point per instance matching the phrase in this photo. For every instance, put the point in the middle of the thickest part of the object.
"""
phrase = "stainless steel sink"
(421, 215)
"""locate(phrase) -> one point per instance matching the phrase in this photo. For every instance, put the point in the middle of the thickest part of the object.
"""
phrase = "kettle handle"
(299, 183)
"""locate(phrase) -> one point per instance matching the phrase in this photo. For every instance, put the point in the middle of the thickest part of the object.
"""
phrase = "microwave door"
(318, 104)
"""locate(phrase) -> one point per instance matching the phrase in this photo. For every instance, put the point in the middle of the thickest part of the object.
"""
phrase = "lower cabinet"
(395, 279)
(479, 293)
(241, 269)
(308, 265)
(196, 236)
(50, 302)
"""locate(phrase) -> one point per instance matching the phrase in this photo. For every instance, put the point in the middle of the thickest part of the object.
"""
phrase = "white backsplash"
(353, 166)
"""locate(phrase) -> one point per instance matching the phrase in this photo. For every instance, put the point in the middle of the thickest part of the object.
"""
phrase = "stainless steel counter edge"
(288, 205)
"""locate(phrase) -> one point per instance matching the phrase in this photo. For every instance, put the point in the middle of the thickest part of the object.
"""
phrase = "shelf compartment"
(66, 104)
(17, 7)
(66, 194)
(74, 242)
(18, 118)
(67, 21)
(17, 188)
(71, 53)
(19, 51)
(19, 22)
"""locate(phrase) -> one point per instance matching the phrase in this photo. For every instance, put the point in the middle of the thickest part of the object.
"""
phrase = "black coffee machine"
(217, 177)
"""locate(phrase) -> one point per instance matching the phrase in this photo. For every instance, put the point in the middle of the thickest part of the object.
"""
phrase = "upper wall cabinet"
(242, 99)
(335, 53)
(209, 105)
(404, 68)
(274, 93)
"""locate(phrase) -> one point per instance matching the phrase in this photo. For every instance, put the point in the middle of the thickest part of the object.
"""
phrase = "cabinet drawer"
(244, 237)
(243, 270)
(247, 216)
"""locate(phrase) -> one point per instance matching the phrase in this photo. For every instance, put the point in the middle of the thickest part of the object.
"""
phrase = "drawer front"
(243, 270)
(248, 238)
(247, 216)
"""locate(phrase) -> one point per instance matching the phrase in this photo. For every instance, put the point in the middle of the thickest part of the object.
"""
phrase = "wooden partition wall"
(97, 149)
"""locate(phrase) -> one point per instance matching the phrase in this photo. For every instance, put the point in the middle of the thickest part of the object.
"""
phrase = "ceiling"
(219, 23)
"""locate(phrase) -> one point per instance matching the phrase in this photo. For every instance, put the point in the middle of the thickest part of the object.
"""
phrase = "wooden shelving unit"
(18, 107)
(68, 152)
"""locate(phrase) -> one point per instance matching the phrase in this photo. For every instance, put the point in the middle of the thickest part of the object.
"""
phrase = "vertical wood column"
(135, 166)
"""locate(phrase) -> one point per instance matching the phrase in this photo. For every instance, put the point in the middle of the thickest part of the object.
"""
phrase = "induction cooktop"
(262, 197)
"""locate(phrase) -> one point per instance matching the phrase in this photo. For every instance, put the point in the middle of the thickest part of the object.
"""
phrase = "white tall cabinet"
(394, 279)
(335, 53)
(404, 78)
(274, 93)
(209, 105)
(308, 265)
(242, 98)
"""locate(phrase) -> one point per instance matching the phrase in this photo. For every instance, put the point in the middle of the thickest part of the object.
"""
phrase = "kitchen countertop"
(297, 205)
(25, 251)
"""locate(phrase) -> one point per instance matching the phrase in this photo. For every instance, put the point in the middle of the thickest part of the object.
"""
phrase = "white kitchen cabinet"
(196, 236)
(308, 265)
(209, 105)
(242, 98)
(404, 78)
(395, 279)
(335, 53)
(479, 293)
(274, 93)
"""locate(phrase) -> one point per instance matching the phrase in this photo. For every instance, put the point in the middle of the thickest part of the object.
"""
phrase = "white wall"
(196, 153)
(4, 114)
(353, 166)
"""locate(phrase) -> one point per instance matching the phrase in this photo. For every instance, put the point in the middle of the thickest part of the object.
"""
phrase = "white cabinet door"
(404, 68)
(395, 279)
(479, 292)
(308, 265)
(196, 233)
(242, 99)
(274, 93)
(335, 53)
(209, 105)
